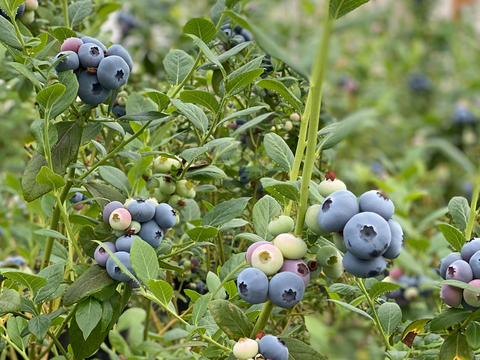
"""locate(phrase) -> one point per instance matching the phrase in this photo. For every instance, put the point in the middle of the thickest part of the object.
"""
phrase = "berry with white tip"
(120, 219)
(327, 186)
(245, 348)
(267, 258)
(291, 246)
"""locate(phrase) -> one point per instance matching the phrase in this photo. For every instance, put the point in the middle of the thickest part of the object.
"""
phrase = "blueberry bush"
(192, 185)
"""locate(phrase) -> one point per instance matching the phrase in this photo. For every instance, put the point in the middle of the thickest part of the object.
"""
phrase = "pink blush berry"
(251, 248)
(71, 44)
(120, 219)
(79, 206)
(297, 267)
(267, 258)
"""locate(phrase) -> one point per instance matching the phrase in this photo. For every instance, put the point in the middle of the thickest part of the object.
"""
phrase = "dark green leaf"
(455, 347)
(162, 290)
(8, 36)
(298, 350)
(61, 33)
(201, 233)
(453, 236)
(285, 189)
(39, 326)
(54, 275)
(90, 282)
(448, 318)
(231, 264)
(225, 212)
(49, 95)
(102, 191)
(201, 28)
(206, 173)
(88, 315)
(200, 97)
(339, 8)
(238, 83)
(115, 177)
(390, 315)
(200, 308)
(278, 150)
(194, 114)
(230, 319)
(33, 282)
(283, 91)
(144, 261)
(10, 301)
(177, 65)
(380, 288)
(352, 308)
(78, 11)
(252, 123)
(159, 98)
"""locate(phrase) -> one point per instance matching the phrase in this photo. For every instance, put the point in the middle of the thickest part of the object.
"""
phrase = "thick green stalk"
(313, 116)
(262, 318)
(473, 208)
(65, 13)
(147, 320)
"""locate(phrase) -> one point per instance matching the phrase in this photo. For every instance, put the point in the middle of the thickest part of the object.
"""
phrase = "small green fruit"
(280, 225)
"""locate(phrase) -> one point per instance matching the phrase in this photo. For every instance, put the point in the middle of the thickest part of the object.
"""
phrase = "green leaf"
(144, 116)
(49, 95)
(49, 178)
(381, 288)
(201, 28)
(39, 326)
(242, 113)
(263, 212)
(10, 301)
(177, 65)
(191, 154)
(448, 318)
(472, 334)
(453, 236)
(54, 275)
(144, 261)
(352, 308)
(115, 177)
(93, 280)
(232, 224)
(208, 53)
(231, 264)
(8, 36)
(206, 173)
(278, 150)
(201, 233)
(213, 283)
(460, 211)
(230, 319)
(455, 347)
(200, 308)
(251, 65)
(159, 98)
(37, 129)
(225, 212)
(278, 87)
(411, 331)
(249, 237)
(69, 80)
(298, 350)
(25, 71)
(15, 326)
(238, 83)
(343, 289)
(194, 114)
(200, 97)
(227, 54)
(33, 282)
(285, 189)
(252, 123)
(78, 11)
(102, 191)
(339, 8)
(390, 315)
(162, 290)
(61, 33)
(88, 315)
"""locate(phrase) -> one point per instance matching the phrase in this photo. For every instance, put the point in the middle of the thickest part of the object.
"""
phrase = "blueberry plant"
(200, 212)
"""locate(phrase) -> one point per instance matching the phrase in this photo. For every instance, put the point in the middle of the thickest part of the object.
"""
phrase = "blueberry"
(247, 35)
(90, 90)
(114, 270)
(240, 122)
(252, 285)
(227, 30)
(363, 268)
(124, 243)
(374, 201)
(267, 258)
(165, 216)
(407, 281)
(394, 293)
(367, 235)
(244, 179)
(460, 270)
(76, 198)
(88, 39)
(71, 62)
(447, 261)
(286, 290)
(463, 116)
(451, 295)
(470, 248)
(280, 225)
(90, 55)
(420, 84)
(112, 72)
(118, 50)
(252, 248)
(336, 210)
(119, 111)
(470, 297)
(71, 44)
(475, 265)
(393, 251)
(108, 209)
(245, 348)
(151, 233)
(141, 210)
(101, 256)
(298, 267)
(20, 10)
(273, 348)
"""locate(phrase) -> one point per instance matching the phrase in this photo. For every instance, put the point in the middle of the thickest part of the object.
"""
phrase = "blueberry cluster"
(238, 35)
(145, 219)
(77, 198)
(119, 106)
(464, 267)
(25, 12)
(282, 261)
(99, 71)
(411, 286)
(166, 187)
(268, 347)
(370, 235)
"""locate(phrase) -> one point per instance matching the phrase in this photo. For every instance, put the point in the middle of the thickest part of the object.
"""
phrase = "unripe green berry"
(326, 187)
(122, 101)
(280, 225)
(339, 242)
(152, 183)
(294, 117)
(177, 202)
(288, 126)
(167, 186)
(334, 272)
(245, 348)
(312, 222)
(186, 189)
(328, 256)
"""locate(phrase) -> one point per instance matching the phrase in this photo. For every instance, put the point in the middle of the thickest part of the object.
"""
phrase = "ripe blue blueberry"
(112, 72)
(286, 289)
(119, 111)
(240, 122)
(141, 210)
(165, 216)
(393, 251)
(420, 83)
(90, 55)
(447, 261)
(90, 90)
(76, 198)
(475, 265)
(462, 115)
(252, 285)
(460, 270)
(101, 256)
(124, 243)
(374, 201)
(272, 348)
(336, 210)
(108, 209)
(90, 40)
(151, 233)
(71, 62)
(363, 268)
(470, 248)
(227, 30)
(114, 270)
(367, 235)
(247, 35)
(118, 50)
(244, 179)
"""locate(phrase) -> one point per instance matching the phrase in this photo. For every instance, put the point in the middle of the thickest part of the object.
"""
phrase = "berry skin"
(339, 242)
(297, 267)
(76, 198)
(124, 243)
(447, 261)
(79, 206)
(141, 210)
(328, 256)
(128, 202)
(395, 247)
(31, 5)
(90, 55)
(240, 122)
(176, 202)
(273, 348)
(411, 293)
(165, 216)
(252, 285)
(367, 235)
(90, 90)
(294, 117)
(114, 270)
(119, 111)
(335, 271)
(118, 50)
(122, 101)
(470, 248)
(120, 219)
(247, 35)
(186, 189)
(167, 186)
(470, 297)
(395, 273)
(251, 248)
(375, 202)
(475, 265)
(152, 183)
(267, 258)
(113, 72)
(311, 220)
(133, 284)
(90, 40)
(327, 186)
(288, 126)
(71, 44)
(363, 268)
(291, 246)
(244, 179)
(153, 201)
(286, 289)
(245, 348)
(27, 17)
(280, 225)
(101, 256)
(164, 164)
(451, 295)
(336, 210)
(157, 195)
(460, 270)
(108, 209)
(237, 39)
(468, 307)
(151, 233)
(71, 62)
(462, 115)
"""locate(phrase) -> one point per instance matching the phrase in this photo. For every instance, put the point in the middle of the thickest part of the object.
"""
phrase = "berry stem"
(473, 208)
(65, 13)
(262, 318)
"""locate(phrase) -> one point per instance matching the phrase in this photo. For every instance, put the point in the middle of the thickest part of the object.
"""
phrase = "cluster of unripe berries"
(25, 12)
(75, 199)
(144, 219)
(282, 262)
(464, 267)
(166, 187)
(99, 70)
(238, 35)
(411, 286)
(266, 347)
